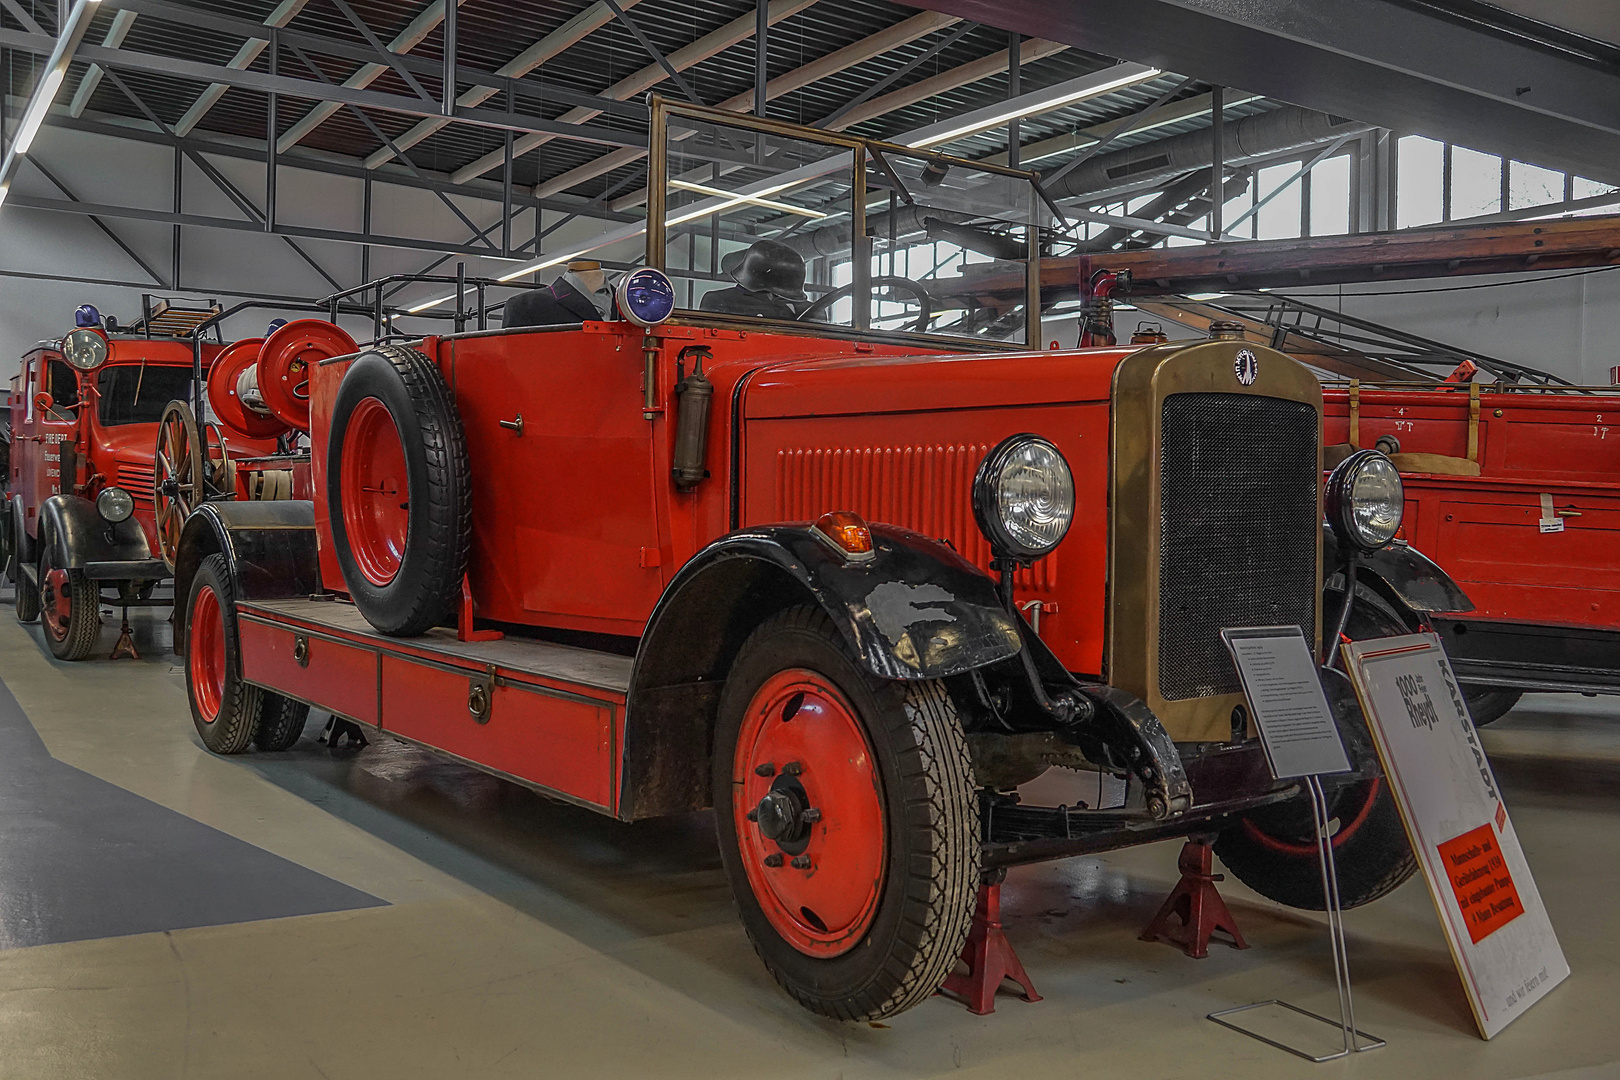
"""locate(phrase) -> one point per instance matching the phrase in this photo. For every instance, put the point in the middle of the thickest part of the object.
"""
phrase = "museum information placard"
(1494, 921)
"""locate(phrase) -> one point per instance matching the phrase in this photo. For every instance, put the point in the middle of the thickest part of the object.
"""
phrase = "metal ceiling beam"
(1087, 137)
(951, 79)
(282, 229)
(406, 40)
(361, 53)
(229, 146)
(902, 33)
(245, 55)
(1406, 66)
(737, 30)
(123, 246)
(310, 89)
(116, 33)
(565, 36)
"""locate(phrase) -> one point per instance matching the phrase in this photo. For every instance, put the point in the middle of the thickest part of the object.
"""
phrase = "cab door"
(38, 446)
(568, 511)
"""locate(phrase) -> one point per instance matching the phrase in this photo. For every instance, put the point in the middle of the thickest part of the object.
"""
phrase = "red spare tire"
(399, 490)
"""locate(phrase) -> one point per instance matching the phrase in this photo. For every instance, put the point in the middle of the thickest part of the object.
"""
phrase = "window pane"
(1330, 197)
(1582, 188)
(1476, 183)
(1531, 185)
(1279, 218)
(1421, 169)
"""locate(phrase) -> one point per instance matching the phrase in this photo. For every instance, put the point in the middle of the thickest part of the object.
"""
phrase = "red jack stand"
(126, 641)
(1197, 903)
(464, 624)
(988, 954)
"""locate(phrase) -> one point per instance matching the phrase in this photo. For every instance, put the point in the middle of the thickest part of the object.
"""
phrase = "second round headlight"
(1023, 497)
(114, 504)
(1365, 500)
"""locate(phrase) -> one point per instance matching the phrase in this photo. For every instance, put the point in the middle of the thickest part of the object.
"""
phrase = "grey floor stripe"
(81, 858)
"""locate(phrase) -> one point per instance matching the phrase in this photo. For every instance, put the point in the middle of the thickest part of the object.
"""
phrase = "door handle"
(513, 425)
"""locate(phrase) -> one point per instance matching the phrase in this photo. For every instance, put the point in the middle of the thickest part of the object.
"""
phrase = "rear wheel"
(224, 708)
(847, 821)
(281, 722)
(70, 608)
(27, 594)
(1272, 850)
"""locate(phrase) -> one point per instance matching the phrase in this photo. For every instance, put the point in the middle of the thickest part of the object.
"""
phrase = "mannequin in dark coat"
(561, 303)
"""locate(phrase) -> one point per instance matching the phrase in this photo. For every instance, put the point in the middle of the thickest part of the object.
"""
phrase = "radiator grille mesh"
(927, 489)
(1238, 528)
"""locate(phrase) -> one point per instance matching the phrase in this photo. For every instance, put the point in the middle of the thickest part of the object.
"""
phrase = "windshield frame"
(102, 398)
(663, 109)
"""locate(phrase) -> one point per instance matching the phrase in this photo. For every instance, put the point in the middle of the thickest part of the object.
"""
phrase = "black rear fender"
(269, 547)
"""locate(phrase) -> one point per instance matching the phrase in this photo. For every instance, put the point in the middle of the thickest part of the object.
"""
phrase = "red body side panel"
(1486, 530)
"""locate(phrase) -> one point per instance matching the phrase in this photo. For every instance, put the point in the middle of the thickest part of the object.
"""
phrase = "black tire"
(27, 595)
(78, 638)
(236, 722)
(931, 876)
(424, 590)
(1489, 703)
(1272, 850)
(281, 722)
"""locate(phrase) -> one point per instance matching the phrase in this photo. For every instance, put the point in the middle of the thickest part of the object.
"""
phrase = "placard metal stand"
(1301, 741)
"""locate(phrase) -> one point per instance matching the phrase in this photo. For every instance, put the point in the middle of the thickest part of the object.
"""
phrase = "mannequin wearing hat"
(581, 294)
(769, 276)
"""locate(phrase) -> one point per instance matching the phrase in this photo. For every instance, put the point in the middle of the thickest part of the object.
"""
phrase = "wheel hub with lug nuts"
(808, 811)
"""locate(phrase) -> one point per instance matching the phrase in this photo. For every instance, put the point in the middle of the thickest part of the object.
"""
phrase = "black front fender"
(916, 611)
(79, 535)
(268, 546)
(1403, 574)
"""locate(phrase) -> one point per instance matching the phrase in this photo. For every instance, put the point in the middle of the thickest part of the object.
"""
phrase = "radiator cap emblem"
(1247, 367)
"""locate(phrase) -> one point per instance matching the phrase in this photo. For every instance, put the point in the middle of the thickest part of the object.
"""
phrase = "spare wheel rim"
(376, 492)
(802, 754)
(205, 657)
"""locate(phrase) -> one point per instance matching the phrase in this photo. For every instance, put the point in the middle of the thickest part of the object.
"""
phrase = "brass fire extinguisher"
(693, 394)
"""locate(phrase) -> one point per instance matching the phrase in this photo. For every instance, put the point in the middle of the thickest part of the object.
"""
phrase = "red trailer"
(1515, 490)
(766, 540)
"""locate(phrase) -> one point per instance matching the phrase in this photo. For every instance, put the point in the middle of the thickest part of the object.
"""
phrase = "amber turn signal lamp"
(847, 533)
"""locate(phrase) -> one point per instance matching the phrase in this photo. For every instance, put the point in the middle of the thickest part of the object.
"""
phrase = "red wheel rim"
(56, 602)
(376, 492)
(205, 654)
(819, 887)
(1347, 829)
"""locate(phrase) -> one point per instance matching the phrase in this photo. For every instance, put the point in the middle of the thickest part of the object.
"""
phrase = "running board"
(546, 715)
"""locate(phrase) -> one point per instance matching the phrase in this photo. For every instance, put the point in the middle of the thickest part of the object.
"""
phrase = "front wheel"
(1273, 850)
(70, 608)
(847, 821)
(1489, 703)
(27, 592)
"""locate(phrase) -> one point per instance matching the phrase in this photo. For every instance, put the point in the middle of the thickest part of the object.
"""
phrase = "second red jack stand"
(988, 954)
(1197, 903)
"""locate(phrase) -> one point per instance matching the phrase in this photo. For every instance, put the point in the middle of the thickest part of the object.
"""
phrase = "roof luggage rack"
(172, 316)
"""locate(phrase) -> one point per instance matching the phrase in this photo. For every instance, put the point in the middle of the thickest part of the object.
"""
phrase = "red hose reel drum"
(225, 383)
(284, 363)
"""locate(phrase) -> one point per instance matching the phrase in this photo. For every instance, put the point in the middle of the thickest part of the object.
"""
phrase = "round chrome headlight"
(114, 504)
(85, 349)
(1365, 501)
(1023, 497)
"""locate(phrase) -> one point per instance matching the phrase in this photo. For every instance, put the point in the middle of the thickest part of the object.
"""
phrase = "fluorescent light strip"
(1032, 108)
(38, 109)
(789, 208)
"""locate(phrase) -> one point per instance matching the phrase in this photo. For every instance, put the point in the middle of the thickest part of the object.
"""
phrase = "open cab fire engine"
(766, 542)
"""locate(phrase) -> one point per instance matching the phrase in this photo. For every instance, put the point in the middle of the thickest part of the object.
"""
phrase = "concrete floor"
(167, 913)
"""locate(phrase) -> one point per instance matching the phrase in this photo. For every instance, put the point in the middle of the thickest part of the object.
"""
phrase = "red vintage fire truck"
(1514, 486)
(808, 530)
(112, 447)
